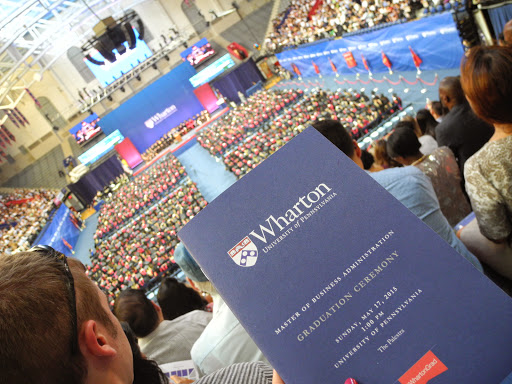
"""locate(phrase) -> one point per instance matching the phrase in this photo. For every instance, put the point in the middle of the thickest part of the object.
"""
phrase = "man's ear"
(95, 342)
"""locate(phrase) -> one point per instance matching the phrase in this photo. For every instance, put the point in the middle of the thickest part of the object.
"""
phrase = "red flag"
(386, 62)
(415, 58)
(68, 245)
(317, 70)
(349, 58)
(296, 70)
(2, 143)
(334, 69)
(365, 63)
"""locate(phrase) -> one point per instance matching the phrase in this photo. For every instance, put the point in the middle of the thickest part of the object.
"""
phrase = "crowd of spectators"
(245, 118)
(305, 21)
(358, 112)
(141, 248)
(175, 135)
(139, 193)
(23, 214)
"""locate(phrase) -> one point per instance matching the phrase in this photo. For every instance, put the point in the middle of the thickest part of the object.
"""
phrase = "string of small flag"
(352, 63)
(359, 80)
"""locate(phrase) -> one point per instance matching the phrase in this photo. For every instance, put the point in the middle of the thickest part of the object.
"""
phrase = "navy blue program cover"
(334, 278)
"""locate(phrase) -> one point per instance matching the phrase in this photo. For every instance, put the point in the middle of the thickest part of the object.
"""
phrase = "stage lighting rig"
(111, 35)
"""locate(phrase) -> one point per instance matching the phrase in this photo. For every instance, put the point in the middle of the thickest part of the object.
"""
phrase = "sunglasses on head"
(50, 252)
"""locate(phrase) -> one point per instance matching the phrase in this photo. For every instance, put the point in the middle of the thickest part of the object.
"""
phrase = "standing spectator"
(440, 167)
(461, 130)
(427, 123)
(488, 86)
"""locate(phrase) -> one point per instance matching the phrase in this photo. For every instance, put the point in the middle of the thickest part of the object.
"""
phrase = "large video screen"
(199, 52)
(110, 72)
(101, 149)
(212, 71)
(86, 130)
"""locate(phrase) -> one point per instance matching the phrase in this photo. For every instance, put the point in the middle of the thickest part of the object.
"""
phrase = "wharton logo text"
(277, 228)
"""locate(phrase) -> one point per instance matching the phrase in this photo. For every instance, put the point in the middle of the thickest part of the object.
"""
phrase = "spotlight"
(154, 66)
(122, 89)
(138, 77)
(109, 98)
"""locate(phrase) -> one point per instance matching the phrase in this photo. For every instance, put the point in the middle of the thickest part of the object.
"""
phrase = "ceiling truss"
(35, 33)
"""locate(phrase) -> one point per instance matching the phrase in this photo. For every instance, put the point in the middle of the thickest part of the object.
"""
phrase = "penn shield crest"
(245, 253)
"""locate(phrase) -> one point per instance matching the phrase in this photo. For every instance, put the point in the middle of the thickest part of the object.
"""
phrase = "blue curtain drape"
(92, 182)
(499, 17)
(240, 79)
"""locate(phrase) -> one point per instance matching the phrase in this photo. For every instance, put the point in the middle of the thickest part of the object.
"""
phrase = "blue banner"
(434, 40)
(61, 234)
(152, 112)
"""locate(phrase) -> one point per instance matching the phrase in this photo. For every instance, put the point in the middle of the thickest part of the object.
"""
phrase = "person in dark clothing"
(461, 130)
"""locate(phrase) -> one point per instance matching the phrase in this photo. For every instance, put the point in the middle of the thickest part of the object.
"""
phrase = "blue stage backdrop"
(151, 113)
(241, 78)
(433, 39)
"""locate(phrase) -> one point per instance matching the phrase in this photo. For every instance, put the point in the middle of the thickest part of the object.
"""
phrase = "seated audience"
(440, 167)
(224, 341)
(436, 110)
(176, 299)
(380, 153)
(427, 142)
(306, 21)
(161, 340)
(407, 184)
(23, 214)
(125, 202)
(139, 251)
(489, 171)
(369, 162)
(427, 123)
(461, 130)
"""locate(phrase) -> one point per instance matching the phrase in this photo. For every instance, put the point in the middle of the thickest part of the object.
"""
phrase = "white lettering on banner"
(442, 31)
(385, 42)
(160, 116)
(428, 33)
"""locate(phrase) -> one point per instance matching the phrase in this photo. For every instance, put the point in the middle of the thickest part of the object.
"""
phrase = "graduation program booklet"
(334, 278)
